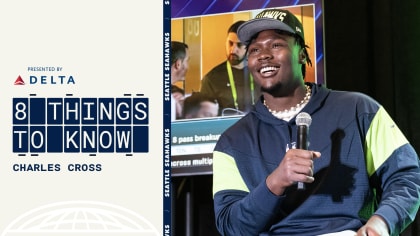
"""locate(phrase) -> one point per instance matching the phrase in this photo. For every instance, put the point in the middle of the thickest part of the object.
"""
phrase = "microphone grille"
(303, 118)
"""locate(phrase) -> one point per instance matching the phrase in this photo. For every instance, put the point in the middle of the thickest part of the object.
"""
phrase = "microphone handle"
(302, 143)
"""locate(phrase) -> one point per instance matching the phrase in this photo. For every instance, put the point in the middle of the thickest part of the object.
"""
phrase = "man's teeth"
(268, 69)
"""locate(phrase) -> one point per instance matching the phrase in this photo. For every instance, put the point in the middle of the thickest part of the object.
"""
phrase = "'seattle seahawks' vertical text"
(167, 117)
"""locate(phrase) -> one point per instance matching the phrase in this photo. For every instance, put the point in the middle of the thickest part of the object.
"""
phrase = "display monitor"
(203, 26)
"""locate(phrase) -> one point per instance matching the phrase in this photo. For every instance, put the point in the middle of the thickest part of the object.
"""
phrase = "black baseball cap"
(270, 19)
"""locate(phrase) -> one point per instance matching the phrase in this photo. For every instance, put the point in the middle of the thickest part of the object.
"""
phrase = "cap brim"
(250, 28)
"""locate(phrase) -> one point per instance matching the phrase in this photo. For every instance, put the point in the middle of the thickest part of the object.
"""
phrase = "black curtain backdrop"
(372, 46)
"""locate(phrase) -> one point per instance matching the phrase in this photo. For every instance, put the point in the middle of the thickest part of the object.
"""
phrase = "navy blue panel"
(89, 138)
(123, 111)
(71, 138)
(140, 139)
(106, 111)
(20, 139)
(54, 111)
(140, 111)
(106, 139)
(37, 138)
(20, 111)
(55, 139)
(72, 111)
(123, 139)
(89, 109)
(37, 111)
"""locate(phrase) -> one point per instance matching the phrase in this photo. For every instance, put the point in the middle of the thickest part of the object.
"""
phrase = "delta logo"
(44, 79)
(19, 81)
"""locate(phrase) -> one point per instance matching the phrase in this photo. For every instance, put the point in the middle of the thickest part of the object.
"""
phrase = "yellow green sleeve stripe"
(226, 174)
(382, 139)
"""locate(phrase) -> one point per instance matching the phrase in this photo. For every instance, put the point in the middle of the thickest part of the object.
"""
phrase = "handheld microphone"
(303, 121)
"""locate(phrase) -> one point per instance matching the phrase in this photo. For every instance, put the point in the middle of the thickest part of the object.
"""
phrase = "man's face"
(235, 50)
(208, 109)
(185, 64)
(275, 60)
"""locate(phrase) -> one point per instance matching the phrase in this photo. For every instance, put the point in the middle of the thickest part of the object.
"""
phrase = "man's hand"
(296, 166)
(375, 226)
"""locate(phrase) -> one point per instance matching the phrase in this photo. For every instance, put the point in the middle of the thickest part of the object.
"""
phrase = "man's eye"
(253, 50)
(277, 45)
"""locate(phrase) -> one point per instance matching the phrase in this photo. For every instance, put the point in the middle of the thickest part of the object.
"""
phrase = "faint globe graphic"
(80, 218)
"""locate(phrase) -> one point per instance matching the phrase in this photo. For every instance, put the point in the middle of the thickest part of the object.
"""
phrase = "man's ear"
(302, 56)
(177, 64)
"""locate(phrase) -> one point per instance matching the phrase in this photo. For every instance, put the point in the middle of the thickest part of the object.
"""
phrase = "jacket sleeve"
(393, 162)
(239, 211)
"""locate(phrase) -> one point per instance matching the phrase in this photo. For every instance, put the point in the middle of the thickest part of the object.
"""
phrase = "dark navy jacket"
(367, 167)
